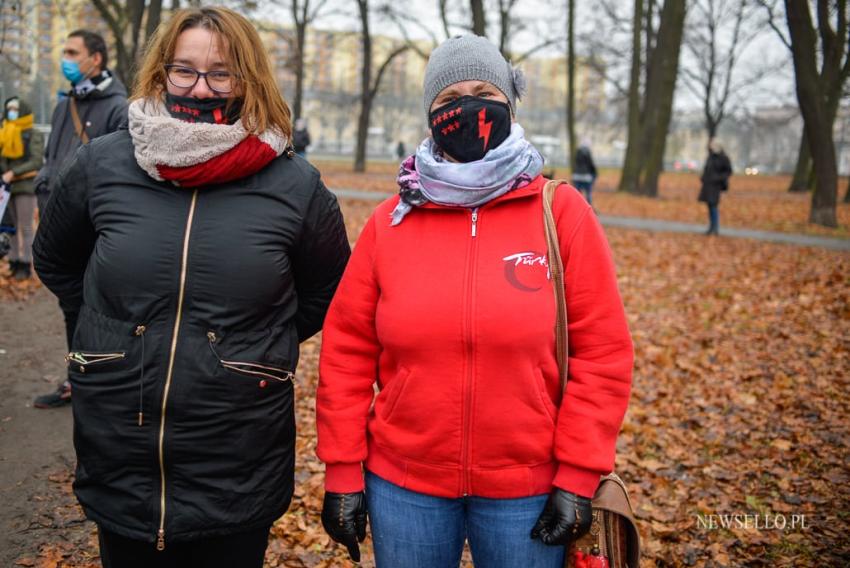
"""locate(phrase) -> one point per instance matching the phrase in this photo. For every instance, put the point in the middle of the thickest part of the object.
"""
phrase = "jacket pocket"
(261, 371)
(88, 362)
(393, 393)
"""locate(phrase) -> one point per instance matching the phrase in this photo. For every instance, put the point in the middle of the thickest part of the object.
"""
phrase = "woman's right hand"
(344, 518)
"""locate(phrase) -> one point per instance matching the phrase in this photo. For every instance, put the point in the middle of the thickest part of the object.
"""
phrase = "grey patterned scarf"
(428, 176)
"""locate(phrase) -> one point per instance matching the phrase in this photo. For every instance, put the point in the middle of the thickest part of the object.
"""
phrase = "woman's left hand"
(565, 518)
(8, 176)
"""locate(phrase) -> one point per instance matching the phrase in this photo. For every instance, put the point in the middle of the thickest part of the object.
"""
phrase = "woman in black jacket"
(715, 178)
(199, 251)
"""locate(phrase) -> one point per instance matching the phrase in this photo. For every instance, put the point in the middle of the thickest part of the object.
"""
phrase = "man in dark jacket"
(715, 178)
(95, 105)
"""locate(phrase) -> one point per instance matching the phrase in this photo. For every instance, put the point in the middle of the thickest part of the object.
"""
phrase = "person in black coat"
(199, 251)
(715, 178)
(585, 173)
(301, 137)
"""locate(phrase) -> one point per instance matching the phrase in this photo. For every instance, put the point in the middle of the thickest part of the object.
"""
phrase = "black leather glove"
(565, 517)
(344, 519)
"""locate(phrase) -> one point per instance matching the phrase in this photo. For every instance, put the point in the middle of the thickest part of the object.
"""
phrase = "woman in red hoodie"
(447, 307)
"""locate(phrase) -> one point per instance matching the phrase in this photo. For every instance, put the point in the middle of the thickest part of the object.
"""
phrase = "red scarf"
(197, 154)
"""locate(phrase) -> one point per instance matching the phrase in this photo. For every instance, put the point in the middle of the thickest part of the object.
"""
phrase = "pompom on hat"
(471, 58)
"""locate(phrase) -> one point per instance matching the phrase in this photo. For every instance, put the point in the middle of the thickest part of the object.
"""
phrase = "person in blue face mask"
(96, 104)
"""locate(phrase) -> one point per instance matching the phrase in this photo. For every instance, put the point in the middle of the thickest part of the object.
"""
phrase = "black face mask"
(467, 128)
(212, 111)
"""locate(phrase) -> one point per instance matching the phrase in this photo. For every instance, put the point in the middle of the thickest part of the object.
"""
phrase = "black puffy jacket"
(192, 305)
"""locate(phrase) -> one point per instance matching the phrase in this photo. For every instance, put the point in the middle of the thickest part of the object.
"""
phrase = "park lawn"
(752, 202)
(740, 406)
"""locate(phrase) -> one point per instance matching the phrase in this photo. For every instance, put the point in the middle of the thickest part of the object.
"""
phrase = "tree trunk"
(300, 41)
(803, 169)
(665, 57)
(365, 93)
(504, 32)
(154, 17)
(571, 82)
(479, 21)
(815, 110)
(631, 166)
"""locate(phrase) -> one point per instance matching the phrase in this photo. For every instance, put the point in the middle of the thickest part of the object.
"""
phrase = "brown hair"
(263, 106)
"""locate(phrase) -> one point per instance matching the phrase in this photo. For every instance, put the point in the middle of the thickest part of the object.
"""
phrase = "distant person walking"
(400, 150)
(21, 155)
(301, 137)
(95, 105)
(585, 173)
(715, 178)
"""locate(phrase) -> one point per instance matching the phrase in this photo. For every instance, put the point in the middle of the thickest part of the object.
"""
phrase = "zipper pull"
(211, 336)
(475, 221)
(160, 540)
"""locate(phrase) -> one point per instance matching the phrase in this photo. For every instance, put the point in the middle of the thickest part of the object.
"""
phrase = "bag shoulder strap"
(556, 274)
(78, 124)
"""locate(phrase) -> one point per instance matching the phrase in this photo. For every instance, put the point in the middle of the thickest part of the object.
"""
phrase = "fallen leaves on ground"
(740, 407)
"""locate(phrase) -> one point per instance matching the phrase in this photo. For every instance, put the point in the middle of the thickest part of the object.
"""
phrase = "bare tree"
(124, 20)
(645, 151)
(304, 14)
(819, 92)
(631, 166)
(718, 33)
(803, 178)
(369, 83)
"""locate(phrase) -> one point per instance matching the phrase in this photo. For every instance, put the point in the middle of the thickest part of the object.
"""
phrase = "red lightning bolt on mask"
(484, 127)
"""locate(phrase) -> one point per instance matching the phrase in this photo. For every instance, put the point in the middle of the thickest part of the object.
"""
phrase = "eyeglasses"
(186, 78)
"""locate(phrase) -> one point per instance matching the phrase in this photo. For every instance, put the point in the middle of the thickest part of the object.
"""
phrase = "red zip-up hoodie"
(451, 313)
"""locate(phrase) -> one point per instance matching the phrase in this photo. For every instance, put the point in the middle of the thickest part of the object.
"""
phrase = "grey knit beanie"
(470, 58)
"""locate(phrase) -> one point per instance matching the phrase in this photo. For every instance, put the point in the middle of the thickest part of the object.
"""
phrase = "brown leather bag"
(613, 531)
(78, 124)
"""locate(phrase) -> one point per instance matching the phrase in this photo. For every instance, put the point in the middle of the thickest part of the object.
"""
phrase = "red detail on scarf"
(248, 157)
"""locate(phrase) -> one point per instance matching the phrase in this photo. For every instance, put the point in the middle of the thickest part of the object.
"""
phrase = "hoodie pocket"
(392, 394)
(543, 395)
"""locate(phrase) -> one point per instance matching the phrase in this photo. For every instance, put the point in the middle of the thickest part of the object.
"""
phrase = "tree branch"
(384, 66)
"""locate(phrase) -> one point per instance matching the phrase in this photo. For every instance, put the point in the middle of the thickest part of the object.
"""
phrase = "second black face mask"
(468, 127)
(212, 111)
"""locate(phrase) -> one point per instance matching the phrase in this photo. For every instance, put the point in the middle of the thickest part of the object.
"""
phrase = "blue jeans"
(713, 218)
(414, 530)
(586, 187)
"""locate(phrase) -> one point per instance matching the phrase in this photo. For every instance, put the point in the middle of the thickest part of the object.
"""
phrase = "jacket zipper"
(160, 535)
(470, 371)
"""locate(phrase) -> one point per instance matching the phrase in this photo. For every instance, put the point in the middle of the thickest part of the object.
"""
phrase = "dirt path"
(36, 447)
